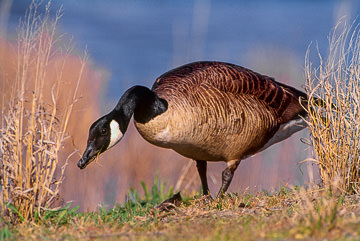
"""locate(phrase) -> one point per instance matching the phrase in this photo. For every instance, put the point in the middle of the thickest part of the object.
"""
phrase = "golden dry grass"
(33, 124)
(335, 123)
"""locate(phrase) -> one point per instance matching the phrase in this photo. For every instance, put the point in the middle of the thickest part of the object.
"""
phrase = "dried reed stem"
(34, 130)
(335, 124)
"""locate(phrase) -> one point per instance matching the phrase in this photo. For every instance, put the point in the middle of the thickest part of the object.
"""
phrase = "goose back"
(219, 111)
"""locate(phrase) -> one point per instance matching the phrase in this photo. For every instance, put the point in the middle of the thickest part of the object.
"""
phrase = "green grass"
(296, 213)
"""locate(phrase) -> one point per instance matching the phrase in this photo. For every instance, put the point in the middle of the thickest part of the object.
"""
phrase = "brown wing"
(229, 78)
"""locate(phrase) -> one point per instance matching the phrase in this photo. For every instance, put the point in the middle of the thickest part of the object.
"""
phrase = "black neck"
(140, 101)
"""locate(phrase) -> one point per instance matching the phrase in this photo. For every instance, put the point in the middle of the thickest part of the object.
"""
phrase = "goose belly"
(211, 133)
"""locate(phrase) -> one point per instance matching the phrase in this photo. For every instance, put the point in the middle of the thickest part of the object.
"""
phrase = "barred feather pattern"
(219, 111)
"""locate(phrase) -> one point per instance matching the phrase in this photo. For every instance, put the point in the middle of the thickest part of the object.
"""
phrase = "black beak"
(88, 156)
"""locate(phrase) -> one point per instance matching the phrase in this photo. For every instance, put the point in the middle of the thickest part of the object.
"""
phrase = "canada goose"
(206, 111)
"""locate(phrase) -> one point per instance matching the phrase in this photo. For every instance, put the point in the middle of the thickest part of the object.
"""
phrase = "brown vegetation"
(35, 116)
(335, 123)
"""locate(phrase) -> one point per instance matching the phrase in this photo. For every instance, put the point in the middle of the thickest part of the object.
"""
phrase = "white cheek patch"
(115, 133)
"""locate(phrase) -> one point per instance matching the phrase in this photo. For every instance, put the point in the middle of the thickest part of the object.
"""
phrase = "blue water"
(136, 41)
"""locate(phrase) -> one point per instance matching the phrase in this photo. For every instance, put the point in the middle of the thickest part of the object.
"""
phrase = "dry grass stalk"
(33, 130)
(335, 131)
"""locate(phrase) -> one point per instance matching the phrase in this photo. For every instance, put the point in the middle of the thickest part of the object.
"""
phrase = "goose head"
(109, 129)
(103, 134)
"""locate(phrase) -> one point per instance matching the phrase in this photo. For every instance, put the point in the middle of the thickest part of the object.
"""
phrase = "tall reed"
(335, 124)
(33, 125)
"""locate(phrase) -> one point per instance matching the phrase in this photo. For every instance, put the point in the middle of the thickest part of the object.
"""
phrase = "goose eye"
(103, 131)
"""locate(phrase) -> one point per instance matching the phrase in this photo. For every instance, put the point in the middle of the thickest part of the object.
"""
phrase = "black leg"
(201, 166)
(227, 176)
